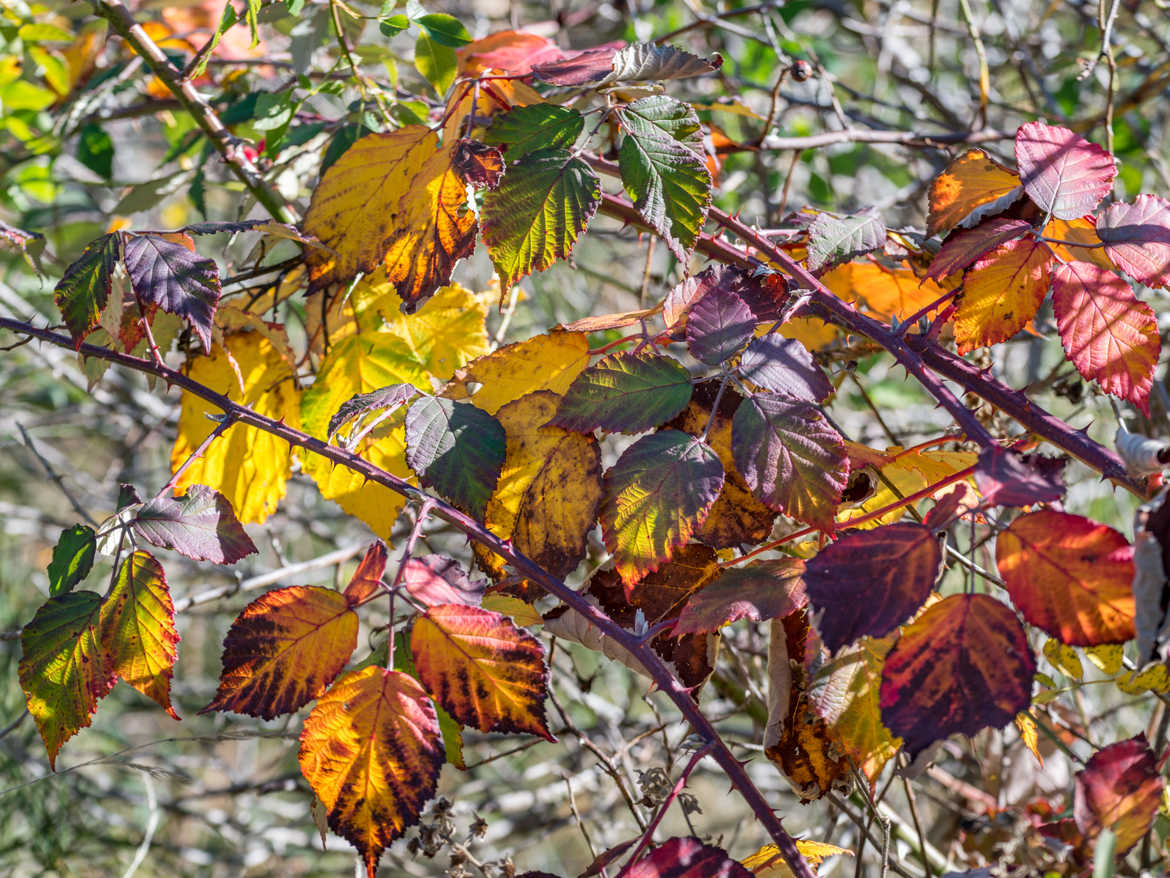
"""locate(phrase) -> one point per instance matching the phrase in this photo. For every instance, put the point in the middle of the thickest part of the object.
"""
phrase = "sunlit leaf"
(543, 362)
(522, 130)
(972, 187)
(437, 579)
(478, 164)
(832, 240)
(366, 581)
(1064, 174)
(72, 558)
(85, 287)
(656, 61)
(1001, 293)
(1137, 238)
(1008, 478)
(200, 524)
(385, 399)
(768, 863)
(510, 51)
(963, 248)
(625, 392)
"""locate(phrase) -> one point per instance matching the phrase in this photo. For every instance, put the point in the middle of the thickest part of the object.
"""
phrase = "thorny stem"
(220, 428)
(524, 566)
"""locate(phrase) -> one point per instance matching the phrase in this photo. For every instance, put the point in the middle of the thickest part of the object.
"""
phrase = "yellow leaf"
(544, 362)
(521, 612)
(1155, 678)
(391, 201)
(1064, 658)
(884, 292)
(1027, 727)
(908, 472)
(1001, 293)
(246, 465)
(1107, 658)
(767, 862)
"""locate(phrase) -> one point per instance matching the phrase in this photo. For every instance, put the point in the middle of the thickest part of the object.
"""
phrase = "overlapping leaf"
(758, 591)
(687, 858)
(658, 492)
(1137, 238)
(175, 278)
(383, 400)
(482, 669)
(655, 62)
(881, 290)
(200, 524)
(371, 751)
(478, 164)
(1069, 576)
(791, 457)
(1008, 478)
(72, 558)
(544, 203)
(871, 581)
(963, 248)
(64, 669)
(1064, 174)
(961, 666)
(784, 365)
(718, 326)
(1002, 292)
(85, 287)
(366, 581)
(832, 240)
(522, 130)
(456, 448)
(972, 187)
(443, 335)
(1120, 789)
(543, 362)
(435, 579)
(284, 649)
(626, 393)
(1110, 336)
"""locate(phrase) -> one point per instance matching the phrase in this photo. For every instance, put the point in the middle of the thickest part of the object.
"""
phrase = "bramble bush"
(540, 337)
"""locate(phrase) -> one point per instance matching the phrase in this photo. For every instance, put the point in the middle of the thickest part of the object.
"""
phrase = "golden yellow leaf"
(544, 362)
(972, 186)
(246, 465)
(1154, 678)
(1002, 292)
(1027, 727)
(907, 472)
(767, 862)
(1084, 231)
(521, 612)
(1108, 658)
(1064, 658)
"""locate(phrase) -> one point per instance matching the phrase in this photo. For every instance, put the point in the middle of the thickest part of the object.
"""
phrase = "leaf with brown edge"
(543, 362)
(64, 670)
(791, 456)
(482, 669)
(687, 858)
(961, 666)
(656, 495)
(1137, 238)
(1120, 788)
(737, 516)
(371, 751)
(1001, 293)
(972, 187)
(391, 201)
(758, 591)
(1069, 576)
(138, 629)
(200, 524)
(283, 650)
(84, 289)
(1108, 333)
(1064, 174)
(437, 579)
(367, 579)
(871, 581)
(478, 164)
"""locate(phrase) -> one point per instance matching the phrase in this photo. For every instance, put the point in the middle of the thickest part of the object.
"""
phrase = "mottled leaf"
(1120, 789)
(478, 164)
(757, 591)
(522, 130)
(85, 287)
(367, 579)
(482, 669)
(687, 858)
(972, 187)
(72, 558)
(174, 278)
(1064, 174)
(543, 362)
(961, 666)
(961, 249)
(1137, 238)
(871, 581)
(718, 326)
(437, 579)
(658, 492)
(1001, 293)
(385, 399)
(625, 392)
(784, 365)
(832, 240)
(1069, 576)
(283, 650)
(1007, 478)
(200, 524)
(654, 61)
(456, 448)
(791, 456)
(371, 751)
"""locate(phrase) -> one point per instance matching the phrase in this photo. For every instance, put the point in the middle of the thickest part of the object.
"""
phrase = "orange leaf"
(1082, 231)
(885, 292)
(283, 650)
(482, 669)
(1069, 576)
(1002, 292)
(367, 579)
(973, 186)
(372, 752)
(138, 628)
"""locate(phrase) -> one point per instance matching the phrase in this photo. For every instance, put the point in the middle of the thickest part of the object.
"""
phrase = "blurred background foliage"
(89, 141)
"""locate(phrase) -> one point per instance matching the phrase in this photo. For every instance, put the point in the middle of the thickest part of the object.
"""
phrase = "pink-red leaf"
(758, 591)
(201, 525)
(871, 581)
(1120, 788)
(1110, 336)
(1137, 238)
(437, 579)
(962, 666)
(1069, 576)
(283, 650)
(687, 858)
(963, 248)
(1064, 174)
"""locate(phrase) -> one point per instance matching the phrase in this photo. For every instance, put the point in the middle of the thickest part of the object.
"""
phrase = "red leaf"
(962, 249)
(1006, 478)
(871, 581)
(1069, 576)
(962, 666)
(511, 52)
(201, 525)
(579, 68)
(1064, 174)
(687, 858)
(436, 579)
(1119, 789)
(718, 326)
(758, 591)
(1137, 238)
(1110, 336)
(367, 579)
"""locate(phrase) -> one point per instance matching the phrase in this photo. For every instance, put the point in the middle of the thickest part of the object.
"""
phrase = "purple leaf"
(200, 525)
(719, 325)
(1006, 478)
(384, 398)
(758, 591)
(175, 279)
(784, 365)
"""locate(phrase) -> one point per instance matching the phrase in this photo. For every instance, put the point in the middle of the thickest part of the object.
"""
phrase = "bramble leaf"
(283, 650)
(1001, 293)
(510, 52)
(200, 525)
(961, 666)
(1137, 238)
(1008, 478)
(367, 579)
(1069, 576)
(85, 287)
(384, 399)
(523, 130)
(832, 240)
(687, 858)
(437, 579)
(791, 457)
(544, 203)
(1064, 174)
(64, 671)
(642, 62)
(960, 250)
(72, 558)
(625, 393)
(443, 335)
(658, 492)
(138, 628)
(784, 365)
(1120, 789)
(482, 669)
(371, 751)
(972, 187)
(174, 278)
(718, 326)
(758, 591)
(478, 164)
(543, 362)
(871, 581)
(456, 448)
(588, 66)
(1110, 336)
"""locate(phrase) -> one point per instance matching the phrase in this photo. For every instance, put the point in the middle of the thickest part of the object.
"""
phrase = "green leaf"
(625, 393)
(393, 25)
(656, 495)
(535, 216)
(72, 558)
(663, 169)
(791, 457)
(273, 110)
(226, 20)
(437, 63)
(456, 448)
(536, 126)
(253, 17)
(446, 30)
(832, 240)
(83, 291)
(95, 150)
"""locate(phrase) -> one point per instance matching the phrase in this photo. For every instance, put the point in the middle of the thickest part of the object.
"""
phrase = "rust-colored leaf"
(1120, 788)
(973, 186)
(757, 591)
(367, 579)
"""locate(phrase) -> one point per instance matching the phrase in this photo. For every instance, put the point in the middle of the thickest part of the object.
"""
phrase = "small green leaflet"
(84, 289)
(625, 393)
(456, 448)
(536, 126)
(446, 30)
(226, 20)
(72, 559)
(436, 63)
(95, 150)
